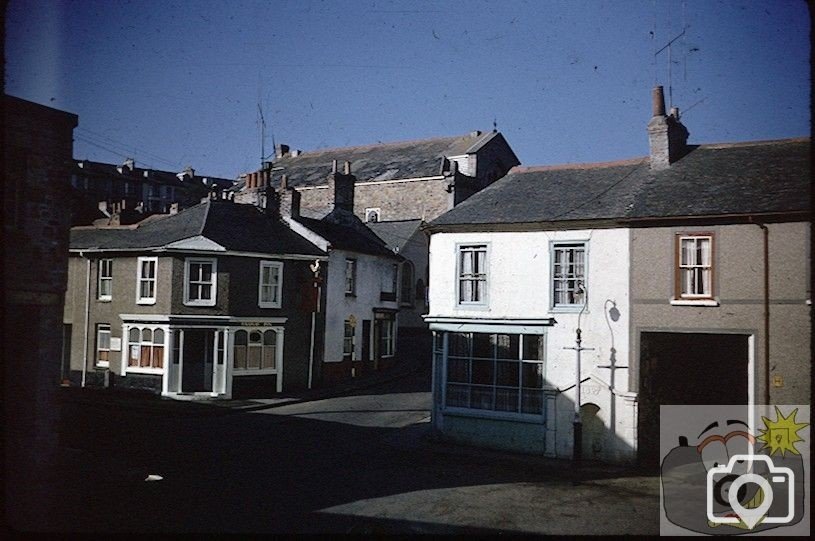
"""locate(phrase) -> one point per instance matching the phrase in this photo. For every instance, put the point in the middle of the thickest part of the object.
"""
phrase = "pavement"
(147, 401)
(359, 458)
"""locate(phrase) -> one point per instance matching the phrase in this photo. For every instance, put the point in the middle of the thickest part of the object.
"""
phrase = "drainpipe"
(766, 309)
(87, 317)
(766, 231)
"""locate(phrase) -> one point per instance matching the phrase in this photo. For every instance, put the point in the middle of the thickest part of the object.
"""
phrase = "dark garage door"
(686, 369)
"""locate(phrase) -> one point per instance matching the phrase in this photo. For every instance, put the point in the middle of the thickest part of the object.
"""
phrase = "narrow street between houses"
(360, 463)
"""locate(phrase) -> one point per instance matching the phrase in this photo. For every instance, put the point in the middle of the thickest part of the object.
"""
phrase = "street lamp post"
(577, 424)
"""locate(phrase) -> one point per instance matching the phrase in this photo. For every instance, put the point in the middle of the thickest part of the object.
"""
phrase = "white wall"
(519, 287)
(371, 270)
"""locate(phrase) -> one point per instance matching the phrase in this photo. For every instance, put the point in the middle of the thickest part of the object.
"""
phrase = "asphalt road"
(363, 463)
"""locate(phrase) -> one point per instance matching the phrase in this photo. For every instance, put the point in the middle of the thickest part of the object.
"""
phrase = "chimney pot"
(658, 101)
(284, 182)
(333, 166)
(347, 170)
(675, 112)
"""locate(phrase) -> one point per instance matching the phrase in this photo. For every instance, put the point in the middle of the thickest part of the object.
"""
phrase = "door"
(686, 369)
(196, 372)
(377, 342)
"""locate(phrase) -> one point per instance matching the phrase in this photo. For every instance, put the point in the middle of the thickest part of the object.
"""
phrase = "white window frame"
(126, 349)
(348, 342)
(561, 245)
(278, 302)
(278, 369)
(353, 278)
(444, 342)
(140, 279)
(389, 340)
(213, 283)
(375, 211)
(103, 277)
(102, 328)
(682, 267)
(473, 247)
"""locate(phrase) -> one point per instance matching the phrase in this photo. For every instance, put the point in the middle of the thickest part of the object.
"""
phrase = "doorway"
(687, 369)
(196, 372)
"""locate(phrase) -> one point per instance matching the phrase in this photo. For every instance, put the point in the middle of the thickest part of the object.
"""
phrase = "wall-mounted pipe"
(87, 317)
(766, 243)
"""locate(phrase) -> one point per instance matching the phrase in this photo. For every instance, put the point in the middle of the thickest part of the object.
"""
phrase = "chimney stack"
(130, 163)
(289, 199)
(341, 187)
(280, 151)
(667, 137)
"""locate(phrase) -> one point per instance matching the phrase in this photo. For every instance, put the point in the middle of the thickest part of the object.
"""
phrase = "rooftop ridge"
(762, 142)
(564, 166)
(392, 143)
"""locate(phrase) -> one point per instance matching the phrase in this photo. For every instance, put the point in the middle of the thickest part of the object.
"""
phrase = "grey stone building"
(394, 181)
(37, 151)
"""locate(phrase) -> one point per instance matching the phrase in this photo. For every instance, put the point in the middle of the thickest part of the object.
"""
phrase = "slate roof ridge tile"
(410, 142)
(567, 166)
(764, 142)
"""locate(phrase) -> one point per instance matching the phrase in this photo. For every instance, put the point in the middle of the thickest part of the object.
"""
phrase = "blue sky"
(178, 83)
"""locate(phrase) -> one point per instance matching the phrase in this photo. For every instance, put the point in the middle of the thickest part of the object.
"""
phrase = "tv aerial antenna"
(669, 48)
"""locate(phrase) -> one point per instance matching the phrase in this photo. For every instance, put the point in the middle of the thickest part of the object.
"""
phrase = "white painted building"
(503, 306)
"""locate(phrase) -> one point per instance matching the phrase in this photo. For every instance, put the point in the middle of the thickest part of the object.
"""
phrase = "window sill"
(103, 364)
(569, 309)
(141, 370)
(146, 301)
(254, 372)
(104, 299)
(693, 302)
(492, 414)
(199, 303)
(268, 305)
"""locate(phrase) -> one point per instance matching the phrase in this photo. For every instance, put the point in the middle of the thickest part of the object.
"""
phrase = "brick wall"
(37, 149)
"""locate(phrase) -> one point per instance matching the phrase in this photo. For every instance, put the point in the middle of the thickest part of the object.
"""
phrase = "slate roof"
(346, 237)
(379, 162)
(711, 180)
(243, 228)
(395, 233)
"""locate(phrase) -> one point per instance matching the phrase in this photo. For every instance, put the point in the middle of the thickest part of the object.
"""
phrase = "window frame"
(348, 340)
(352, 292)
(278, 286)
(407, 279)
(679, 295)
(102, 277)
(389, 340)
(443, 341)
(100, 328)
(128, 348)
(484, 301)
(563, 307)
(391, 282)
(278, 359)
(140, 278)
(188, 262)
